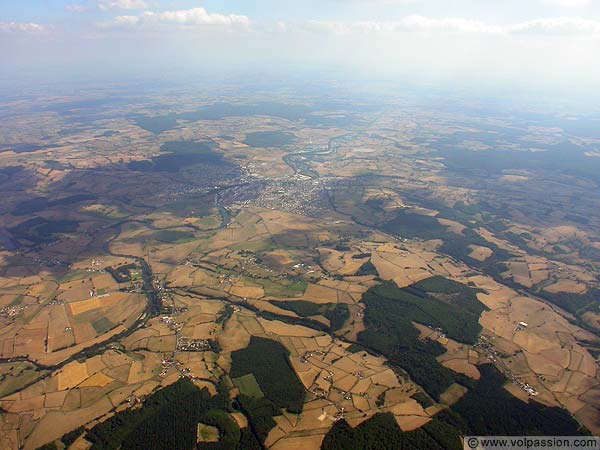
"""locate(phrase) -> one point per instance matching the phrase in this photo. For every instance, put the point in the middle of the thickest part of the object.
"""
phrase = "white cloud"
(197, 16)
(75, 8)
(126, 20)
(567, 3)
(557, 25)
(409, 23)
(187, 17)
(448, 24)
(21, 27)
(105, 5)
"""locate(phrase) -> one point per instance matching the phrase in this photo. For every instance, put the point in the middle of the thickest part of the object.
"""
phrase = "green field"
(13, 376)
(102, 325)
(282, 288)
(255, 247)
(248, 385)
(269, 139)
(173, 236)
(109, 212)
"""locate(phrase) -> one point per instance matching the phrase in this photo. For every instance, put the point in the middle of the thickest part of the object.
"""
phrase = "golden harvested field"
(247, 291)
(58, 322)
(234, 336)
(269, 307)
(342, 263)
(562, 285)
(411, 264)
(480, 253)
(453, 394)
(30, 339)
(320, 294)
(452, 225)
(55, 424)
(71, 375)
(181, 276)
(519, 271)
(105, 282)
(85, 305)
(279, 258)
(463, 366)
(97, 380)
(281, 328)
(43, 291)
(513, 178)
(77, 292)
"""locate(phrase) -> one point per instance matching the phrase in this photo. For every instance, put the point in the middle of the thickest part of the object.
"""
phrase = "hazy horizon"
(536, 47)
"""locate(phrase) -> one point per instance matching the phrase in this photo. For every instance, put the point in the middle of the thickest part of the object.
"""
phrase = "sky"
(529, 45)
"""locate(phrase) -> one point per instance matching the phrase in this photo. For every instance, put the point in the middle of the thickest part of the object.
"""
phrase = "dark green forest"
(168, 419)
(269, 362)
(381, 432)
(488, 409)
(337, 313)
(436, 302)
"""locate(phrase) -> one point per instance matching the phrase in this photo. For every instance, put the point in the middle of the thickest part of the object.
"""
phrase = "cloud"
(126, 20)
(409, 23)
(75, 8)
(567, 3)
(105, 5)
(557, 25)
(448, 24)
(21, 27)
(197, 16)
(185, 18)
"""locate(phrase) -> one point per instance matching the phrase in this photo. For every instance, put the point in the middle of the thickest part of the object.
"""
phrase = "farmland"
(300, 273)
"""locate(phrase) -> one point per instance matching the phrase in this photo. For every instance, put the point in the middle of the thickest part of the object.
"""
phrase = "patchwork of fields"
(298, 274)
